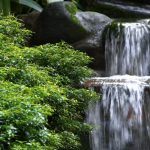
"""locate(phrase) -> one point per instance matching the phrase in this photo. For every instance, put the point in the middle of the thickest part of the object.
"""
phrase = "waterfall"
(127, 49)
(121, 119)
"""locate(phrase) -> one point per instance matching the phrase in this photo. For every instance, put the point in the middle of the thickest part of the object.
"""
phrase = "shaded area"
(119, 9)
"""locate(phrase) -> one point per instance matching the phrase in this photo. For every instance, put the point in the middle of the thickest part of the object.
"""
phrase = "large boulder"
(58, 22)
(29, 19)
(83, 30)
(93, 44)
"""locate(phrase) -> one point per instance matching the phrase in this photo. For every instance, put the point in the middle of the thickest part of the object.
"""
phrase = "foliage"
(40, 106)
(30, 3)
(7, 5)
(10, 32)
(26, 6)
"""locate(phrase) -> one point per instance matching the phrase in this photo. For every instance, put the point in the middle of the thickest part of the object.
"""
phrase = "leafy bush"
(11, 32)
(40, 106)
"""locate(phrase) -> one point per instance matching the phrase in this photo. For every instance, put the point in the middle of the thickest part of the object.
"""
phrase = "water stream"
(121, 119)
(127, 49)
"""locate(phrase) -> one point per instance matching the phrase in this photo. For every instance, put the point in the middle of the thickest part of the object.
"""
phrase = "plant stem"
(1, 6)
(6, 7)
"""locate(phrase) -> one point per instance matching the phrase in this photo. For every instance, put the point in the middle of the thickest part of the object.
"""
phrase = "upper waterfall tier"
(127, 49)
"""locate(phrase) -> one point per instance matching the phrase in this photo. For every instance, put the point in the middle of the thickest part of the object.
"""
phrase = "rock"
(93, 44)
(83, 30)
(85, 3)
(139, 1)
(29, 19)
(117, 80)
(121, 9)
(58, 22)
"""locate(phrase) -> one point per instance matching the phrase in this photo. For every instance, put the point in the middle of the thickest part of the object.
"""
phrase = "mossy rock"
(63, 21)
(58, 22)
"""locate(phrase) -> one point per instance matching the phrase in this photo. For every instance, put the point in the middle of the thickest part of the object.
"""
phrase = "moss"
(72, 9)
(115, 25)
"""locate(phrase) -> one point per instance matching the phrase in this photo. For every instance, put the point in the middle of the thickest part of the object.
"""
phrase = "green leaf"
(30, 3)
(52, 1)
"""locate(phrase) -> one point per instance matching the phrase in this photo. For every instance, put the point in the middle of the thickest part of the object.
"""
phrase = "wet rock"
(117, 80)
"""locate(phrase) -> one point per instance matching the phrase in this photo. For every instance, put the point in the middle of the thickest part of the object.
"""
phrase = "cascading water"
(119, 118)
(122, 118)
(127, 49)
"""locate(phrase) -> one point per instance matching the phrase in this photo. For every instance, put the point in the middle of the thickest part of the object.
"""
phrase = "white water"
(121, 119)
(127, 49)
(118, 118)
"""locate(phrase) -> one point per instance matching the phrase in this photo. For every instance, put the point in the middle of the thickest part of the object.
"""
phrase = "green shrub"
(11, 31)
(40, 107)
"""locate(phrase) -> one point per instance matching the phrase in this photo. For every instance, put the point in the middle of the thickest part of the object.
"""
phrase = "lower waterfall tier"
(122, 118)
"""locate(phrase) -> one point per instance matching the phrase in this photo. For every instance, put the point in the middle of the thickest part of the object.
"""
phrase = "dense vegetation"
(18, 7)
(40, 108)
